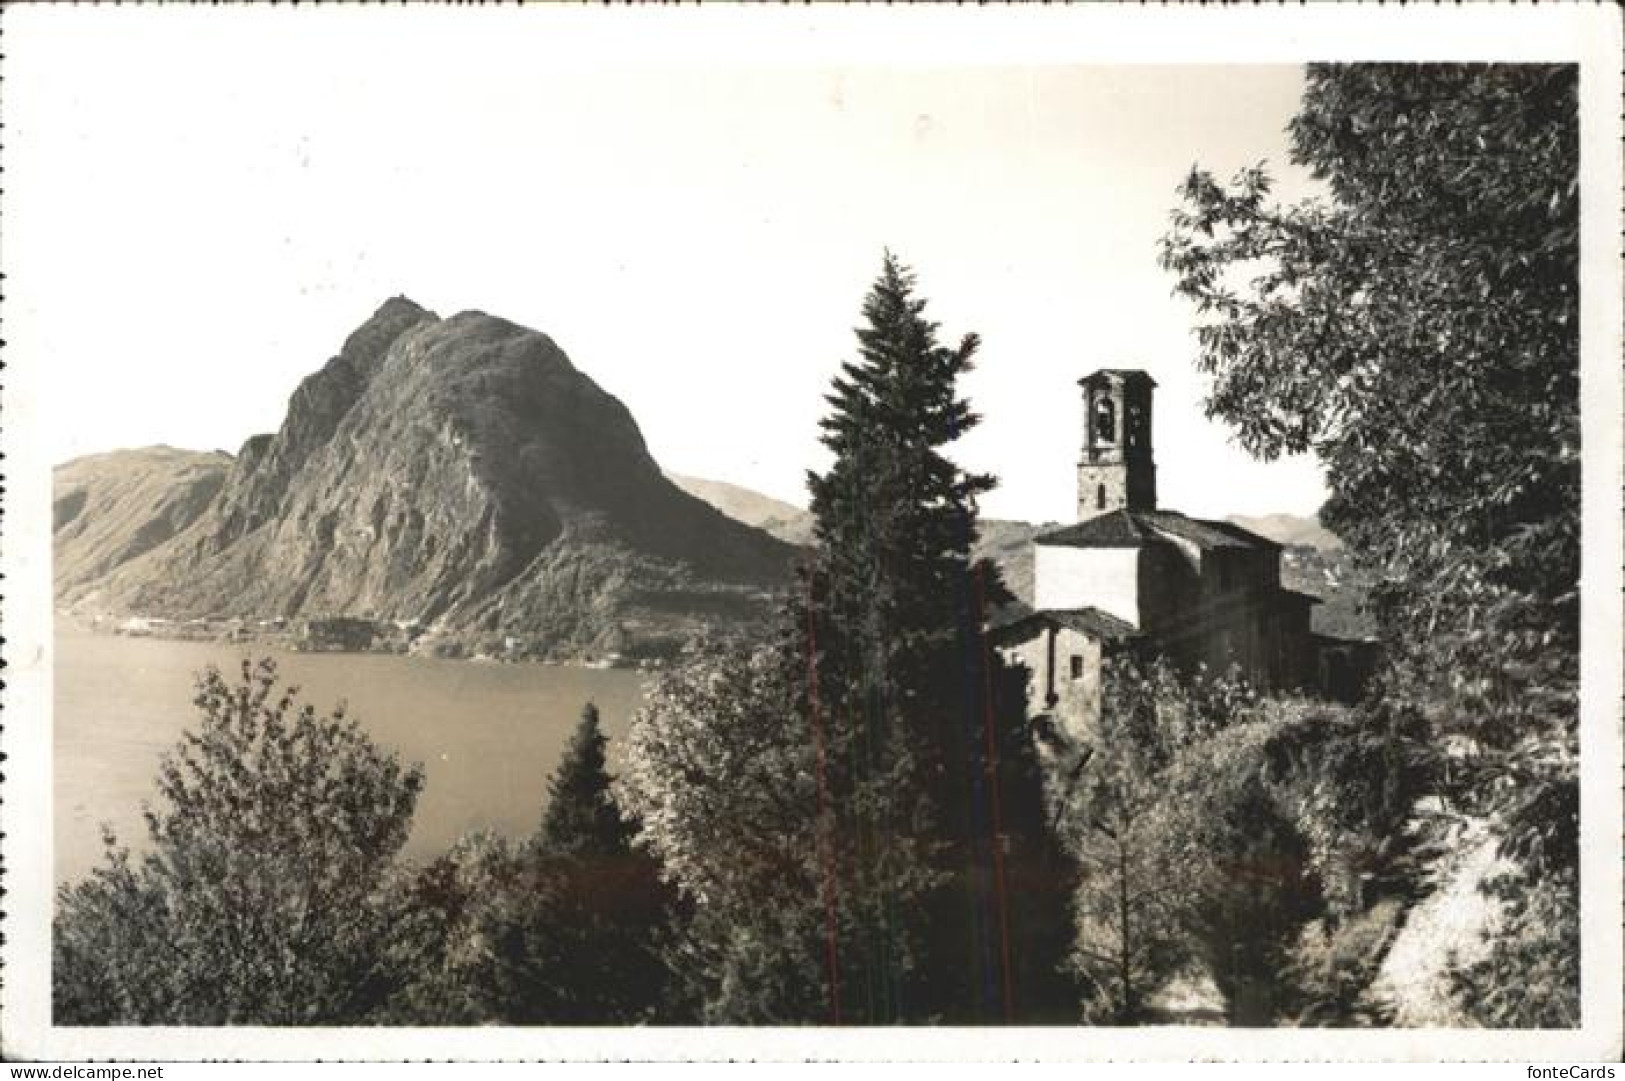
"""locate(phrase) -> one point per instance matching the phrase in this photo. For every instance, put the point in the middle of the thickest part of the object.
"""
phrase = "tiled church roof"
(1130, 529)
(1091, 621)
(1114, 529)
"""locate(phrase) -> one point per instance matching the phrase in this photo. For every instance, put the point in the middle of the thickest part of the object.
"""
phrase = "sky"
(200, 209)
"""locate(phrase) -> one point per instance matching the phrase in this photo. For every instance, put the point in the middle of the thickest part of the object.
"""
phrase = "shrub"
(262, 897)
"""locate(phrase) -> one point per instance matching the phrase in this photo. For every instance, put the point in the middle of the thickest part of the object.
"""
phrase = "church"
(1129, 576)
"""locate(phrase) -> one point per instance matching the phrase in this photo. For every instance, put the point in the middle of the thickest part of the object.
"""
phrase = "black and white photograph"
(541, 533)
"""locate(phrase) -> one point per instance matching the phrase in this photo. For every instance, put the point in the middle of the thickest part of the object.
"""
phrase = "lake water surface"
(488, 735)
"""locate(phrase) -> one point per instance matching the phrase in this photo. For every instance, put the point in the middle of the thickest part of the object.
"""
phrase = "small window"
(1100, 497)
(1077, 666)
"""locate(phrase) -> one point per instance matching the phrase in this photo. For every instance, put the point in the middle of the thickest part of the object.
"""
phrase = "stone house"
(1130, 576)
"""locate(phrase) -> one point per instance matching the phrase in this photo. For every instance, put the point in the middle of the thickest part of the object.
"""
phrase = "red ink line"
(826, 843)
(993, 776)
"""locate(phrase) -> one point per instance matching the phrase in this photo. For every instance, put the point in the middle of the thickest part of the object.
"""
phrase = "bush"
(262, 899)
(1530, 977)
(1336, 961)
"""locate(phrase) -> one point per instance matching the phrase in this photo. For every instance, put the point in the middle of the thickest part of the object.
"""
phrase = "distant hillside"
(108, 509)
(1010, 545)
(1007, 543)
(1342, 587)
(1316, 562)
(1290, 529)
(456, 473)
(785, 521)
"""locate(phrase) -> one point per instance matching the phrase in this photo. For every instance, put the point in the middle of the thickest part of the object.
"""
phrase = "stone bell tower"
(1115, 471)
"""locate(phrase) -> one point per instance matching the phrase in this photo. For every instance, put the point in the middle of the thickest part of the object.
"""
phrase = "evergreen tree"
(907, 711)
(853, 812)
(581, 817)
(579, 942)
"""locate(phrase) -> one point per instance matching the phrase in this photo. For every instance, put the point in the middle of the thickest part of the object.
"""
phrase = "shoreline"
(293, 636)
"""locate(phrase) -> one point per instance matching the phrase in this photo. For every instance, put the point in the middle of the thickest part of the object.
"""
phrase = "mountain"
(107, 509)
(456, 473)
(785, 521)
(1007, 543)
(1290, 529)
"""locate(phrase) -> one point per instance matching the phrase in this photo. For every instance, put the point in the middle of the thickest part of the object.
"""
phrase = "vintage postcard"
(573, 533)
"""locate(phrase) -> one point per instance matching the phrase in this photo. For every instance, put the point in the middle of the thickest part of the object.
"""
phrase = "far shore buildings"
(1130, 576)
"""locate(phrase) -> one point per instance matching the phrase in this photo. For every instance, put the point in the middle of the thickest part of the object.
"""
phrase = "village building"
(1129, 576)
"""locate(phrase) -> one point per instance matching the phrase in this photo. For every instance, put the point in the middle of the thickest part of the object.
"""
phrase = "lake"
(488, 735)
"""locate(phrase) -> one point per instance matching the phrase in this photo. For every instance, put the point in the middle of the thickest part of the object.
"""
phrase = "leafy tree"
(1417, 328)
(445, 912)
(1247, 885)
(720, 774)
(262, 898)
(1132, 890)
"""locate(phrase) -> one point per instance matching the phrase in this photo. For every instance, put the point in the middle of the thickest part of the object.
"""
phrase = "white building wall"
(1103, 578)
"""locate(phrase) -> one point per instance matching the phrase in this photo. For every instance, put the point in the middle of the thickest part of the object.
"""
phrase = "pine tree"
(581, 818)
(905, 714)
(572, 932)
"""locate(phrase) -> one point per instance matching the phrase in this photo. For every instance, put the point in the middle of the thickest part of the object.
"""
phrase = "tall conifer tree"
(905, 712)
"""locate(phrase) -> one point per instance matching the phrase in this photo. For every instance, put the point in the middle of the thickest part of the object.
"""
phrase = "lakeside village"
(352, 634)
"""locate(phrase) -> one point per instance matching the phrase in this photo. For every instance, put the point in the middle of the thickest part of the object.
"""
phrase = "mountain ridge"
(459, 473)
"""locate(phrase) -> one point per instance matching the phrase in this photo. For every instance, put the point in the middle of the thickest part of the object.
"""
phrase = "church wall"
(1218, 608)
(1104, 578)
(1063, 680)
(1170, 592)
(1077, 684)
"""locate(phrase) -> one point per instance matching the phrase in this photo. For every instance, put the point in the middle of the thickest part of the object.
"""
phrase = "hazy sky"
(200, 209)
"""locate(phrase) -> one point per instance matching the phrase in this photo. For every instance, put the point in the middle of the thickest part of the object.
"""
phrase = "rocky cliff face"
(462, 473)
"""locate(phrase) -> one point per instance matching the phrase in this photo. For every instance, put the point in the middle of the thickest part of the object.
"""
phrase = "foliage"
(1215, 826)
(913, 732)
(563, 929)
(581, 816)
(444, 912)
(1417, 329)
(1247, 887)
(1335, 961)
(1530, 977)
(1128, 901)
(262, 899)
(720, 775)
